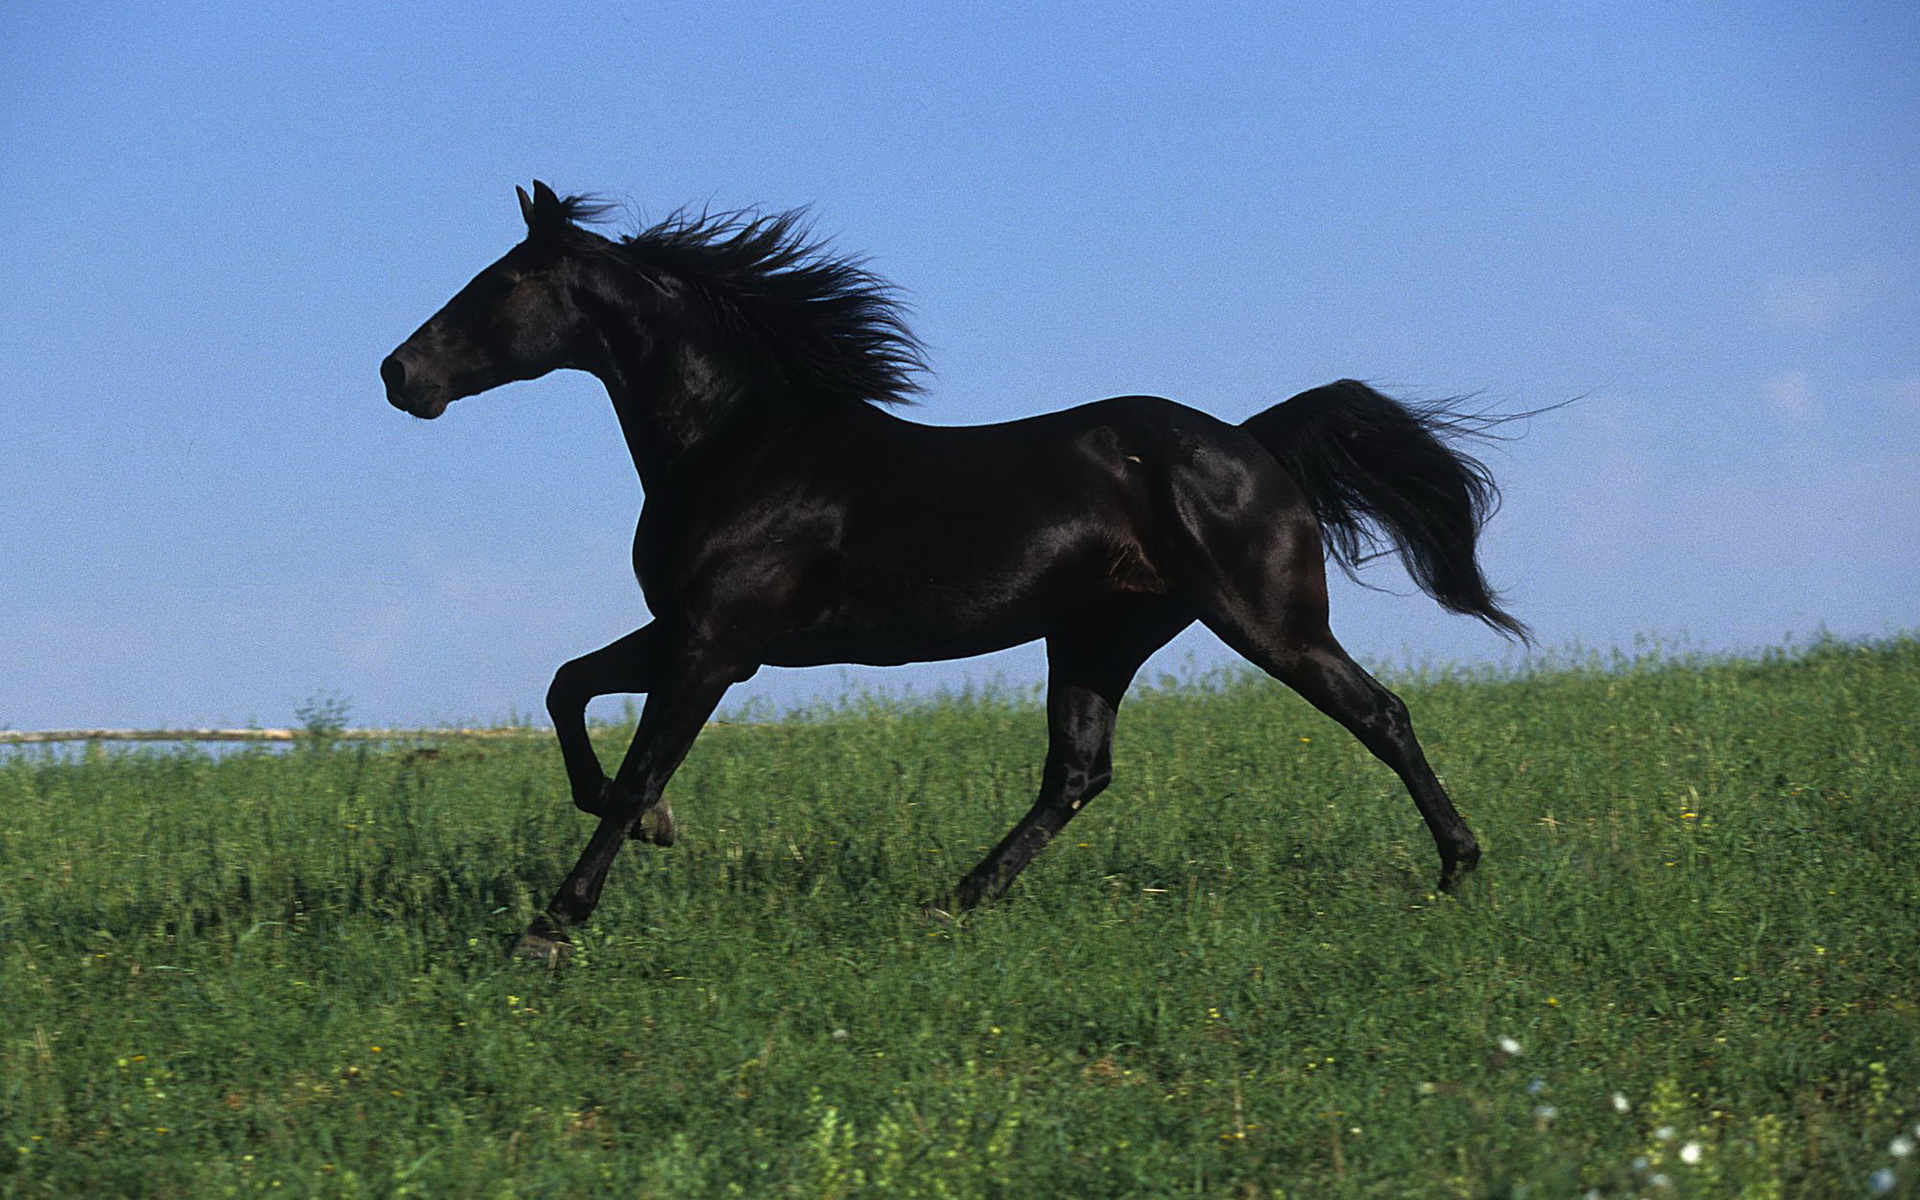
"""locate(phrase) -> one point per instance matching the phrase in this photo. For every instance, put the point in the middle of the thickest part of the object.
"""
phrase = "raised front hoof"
(544, 943)
(655, 825)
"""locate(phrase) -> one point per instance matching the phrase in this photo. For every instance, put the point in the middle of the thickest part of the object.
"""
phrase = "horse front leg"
(630, 665)
(684, 697)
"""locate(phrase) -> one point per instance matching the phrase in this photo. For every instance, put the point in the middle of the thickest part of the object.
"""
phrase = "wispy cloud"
(1817, 301)
(1791, 395)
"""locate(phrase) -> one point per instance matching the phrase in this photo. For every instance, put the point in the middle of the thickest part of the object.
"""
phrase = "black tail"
(1372, 466)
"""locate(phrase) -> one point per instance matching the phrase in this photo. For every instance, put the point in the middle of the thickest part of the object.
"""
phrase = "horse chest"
(697, 555)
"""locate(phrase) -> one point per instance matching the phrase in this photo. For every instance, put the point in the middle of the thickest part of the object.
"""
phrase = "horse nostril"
(394, 375)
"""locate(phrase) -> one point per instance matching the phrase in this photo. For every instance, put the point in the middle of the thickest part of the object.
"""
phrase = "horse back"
(894, 539)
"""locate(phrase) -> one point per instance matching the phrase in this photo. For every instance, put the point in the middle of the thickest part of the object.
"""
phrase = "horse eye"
(499, 287)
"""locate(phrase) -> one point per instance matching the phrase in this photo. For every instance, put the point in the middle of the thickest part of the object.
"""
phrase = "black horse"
(791, 520)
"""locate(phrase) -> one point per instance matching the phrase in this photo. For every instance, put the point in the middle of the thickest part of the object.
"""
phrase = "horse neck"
(643, 441)
(674, 394)
(656, 395)
(673, 409)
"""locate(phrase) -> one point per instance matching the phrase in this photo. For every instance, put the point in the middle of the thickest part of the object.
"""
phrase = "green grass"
(284, 974)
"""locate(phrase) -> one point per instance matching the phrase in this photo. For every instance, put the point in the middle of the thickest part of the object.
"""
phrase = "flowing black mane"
(820, 321)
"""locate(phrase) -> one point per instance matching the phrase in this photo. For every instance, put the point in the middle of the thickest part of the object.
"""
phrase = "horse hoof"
(1456, 867)
(543, 951)
(655, 825)
(544, 942)
(1451, 877)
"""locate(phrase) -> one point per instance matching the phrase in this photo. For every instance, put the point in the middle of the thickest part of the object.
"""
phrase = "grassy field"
(1689, 965)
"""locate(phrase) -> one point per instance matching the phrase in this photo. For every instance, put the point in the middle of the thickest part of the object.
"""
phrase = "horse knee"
(568, 692)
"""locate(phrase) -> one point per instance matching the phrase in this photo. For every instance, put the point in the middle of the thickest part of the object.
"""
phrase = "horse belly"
(883, 647)
(980, 588)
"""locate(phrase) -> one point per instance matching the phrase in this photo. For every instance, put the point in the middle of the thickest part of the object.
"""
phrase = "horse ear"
(545, 212)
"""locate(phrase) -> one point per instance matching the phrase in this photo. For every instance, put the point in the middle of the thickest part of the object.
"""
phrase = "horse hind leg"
(1088, 671)
(1079, 766)
(1287, 636)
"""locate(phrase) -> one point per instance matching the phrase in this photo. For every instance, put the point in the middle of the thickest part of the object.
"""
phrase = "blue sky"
(1701, 218)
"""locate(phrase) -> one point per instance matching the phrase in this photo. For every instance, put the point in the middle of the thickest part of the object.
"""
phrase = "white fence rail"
(32, 737)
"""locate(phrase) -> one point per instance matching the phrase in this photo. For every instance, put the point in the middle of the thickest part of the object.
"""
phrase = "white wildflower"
(1690, 1153)
(1508, 1045)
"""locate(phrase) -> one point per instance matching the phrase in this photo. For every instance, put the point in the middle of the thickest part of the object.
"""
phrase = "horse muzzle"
(405, 392)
